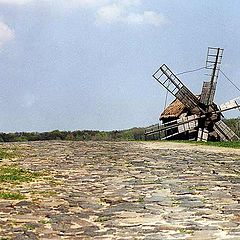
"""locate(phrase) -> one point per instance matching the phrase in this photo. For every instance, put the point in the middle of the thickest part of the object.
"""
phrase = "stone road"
(123, 190)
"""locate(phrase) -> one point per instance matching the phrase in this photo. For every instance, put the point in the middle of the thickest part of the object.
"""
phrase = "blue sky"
(87, 64)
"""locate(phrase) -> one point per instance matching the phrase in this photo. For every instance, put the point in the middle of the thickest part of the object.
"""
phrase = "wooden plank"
(174, 85)
(224, 132)
(208, 93)
(173, 128)
(187, 98)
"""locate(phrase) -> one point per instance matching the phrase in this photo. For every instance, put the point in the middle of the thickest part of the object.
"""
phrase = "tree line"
(86, 135)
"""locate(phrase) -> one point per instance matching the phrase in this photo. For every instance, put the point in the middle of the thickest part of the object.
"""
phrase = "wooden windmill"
(192, 116)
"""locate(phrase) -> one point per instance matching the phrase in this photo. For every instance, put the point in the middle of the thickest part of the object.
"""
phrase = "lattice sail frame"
(175, 86)
(213, 62)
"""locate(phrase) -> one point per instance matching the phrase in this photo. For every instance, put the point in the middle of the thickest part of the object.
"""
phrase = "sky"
(88, 64)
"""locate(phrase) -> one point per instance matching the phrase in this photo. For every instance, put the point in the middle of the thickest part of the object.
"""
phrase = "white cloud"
(99, 3)
(6, 34)
(129, 2)
(110, 13)
(148, 17)
(17, 2)
(92, 3)
(79, 3)
(122, 13)
(107, 11)
(69, 3)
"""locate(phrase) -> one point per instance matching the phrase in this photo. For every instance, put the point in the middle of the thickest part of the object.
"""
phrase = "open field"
(119, 190)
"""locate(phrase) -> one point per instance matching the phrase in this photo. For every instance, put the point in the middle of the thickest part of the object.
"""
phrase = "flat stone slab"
(123, 190)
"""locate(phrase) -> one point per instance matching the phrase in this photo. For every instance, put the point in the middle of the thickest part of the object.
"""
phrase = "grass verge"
(227, 144)
(234, 144)
(15, 174)
(7, 154)
(11, 196)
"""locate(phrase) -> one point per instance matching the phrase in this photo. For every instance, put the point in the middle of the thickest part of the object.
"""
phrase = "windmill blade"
(225, 133)
(213, 61)
(173, 128)
(214, 58)
(208, 92)
(232, 104)
(174, 85)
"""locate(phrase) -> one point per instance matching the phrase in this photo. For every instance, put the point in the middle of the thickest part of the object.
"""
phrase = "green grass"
(140, 200)
(45, 221)
(103, 219)
(29, 226)
(234, 144)
(7, 154)
(199, 188)
(11, 196)
(15, 174)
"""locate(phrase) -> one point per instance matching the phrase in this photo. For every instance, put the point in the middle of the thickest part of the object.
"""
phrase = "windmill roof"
(175, 109)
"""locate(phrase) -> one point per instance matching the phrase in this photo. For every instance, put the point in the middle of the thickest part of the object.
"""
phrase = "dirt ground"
(122, 190)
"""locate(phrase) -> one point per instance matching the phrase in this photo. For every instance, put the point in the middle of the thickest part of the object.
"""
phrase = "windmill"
(192, 116)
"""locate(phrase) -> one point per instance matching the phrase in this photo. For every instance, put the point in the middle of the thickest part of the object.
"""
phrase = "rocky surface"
(123, 190)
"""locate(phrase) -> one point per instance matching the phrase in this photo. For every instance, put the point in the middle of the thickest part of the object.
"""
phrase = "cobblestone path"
(123, 190)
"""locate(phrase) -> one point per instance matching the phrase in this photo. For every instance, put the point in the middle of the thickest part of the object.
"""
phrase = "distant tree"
(234, 124)
(69, 137)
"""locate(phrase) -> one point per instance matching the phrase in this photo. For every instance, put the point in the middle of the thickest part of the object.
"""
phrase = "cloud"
(98, 3)
(129, 2)
(6, 34)
(110, 13)
(107, 11)
(63, 5)
(122, 12)
(16, 2)
(76, 3)
(148, 17)
(89, 3)
(113, 11)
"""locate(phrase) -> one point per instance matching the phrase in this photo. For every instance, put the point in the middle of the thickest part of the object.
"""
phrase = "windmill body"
(191, 116)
